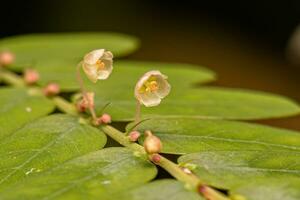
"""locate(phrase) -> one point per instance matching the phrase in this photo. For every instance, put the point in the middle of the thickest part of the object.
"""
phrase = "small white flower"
(151, 88)
(98, 64)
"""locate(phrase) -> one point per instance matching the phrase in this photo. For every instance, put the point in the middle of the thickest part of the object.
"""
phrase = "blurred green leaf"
(271, 189)
(181, 136)
(18, 107)
(196, 103)
(45, 144)
(97, 175)
(160, 190)
(125, 74)
(37, 50)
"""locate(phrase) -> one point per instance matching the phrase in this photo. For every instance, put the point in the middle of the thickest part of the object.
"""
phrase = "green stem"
(64, 105)
(179, 174)
(122, 139)
(11, 78)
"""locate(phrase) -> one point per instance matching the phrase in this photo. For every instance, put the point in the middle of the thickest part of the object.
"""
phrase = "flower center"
(151, 86)
(100, 65)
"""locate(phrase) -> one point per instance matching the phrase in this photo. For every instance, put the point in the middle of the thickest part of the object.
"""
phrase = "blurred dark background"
(243, 41)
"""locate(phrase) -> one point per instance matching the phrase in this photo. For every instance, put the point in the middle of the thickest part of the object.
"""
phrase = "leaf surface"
(44, 144)
(197, 103)
(273, 189)
(161, 190)
(182, 136)
(98, 175)
(124, 75)
(37, 50)
(227, 169)
(18, 107)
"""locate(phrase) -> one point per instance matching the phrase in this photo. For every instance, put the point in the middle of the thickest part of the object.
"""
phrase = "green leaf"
(271, 189)
(125, 74)
(181, 136)
(98, 175)
(36, 50)
(275, 189)
(197, 103)
(44, 144)
(18, 107)
(161, 190)
(228, 168)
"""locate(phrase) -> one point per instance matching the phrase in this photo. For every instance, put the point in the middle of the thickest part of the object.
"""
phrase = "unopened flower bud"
(51, 89)
(155, 158)
(105, 119)
(152, 144)
(6, 58)
(86, 102)
(134, 136)
(31, 76)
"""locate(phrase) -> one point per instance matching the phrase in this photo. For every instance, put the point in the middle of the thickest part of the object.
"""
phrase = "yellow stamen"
(100, 65)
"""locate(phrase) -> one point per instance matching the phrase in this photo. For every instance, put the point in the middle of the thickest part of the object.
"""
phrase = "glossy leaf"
(36, 50)
(18, 107)
(181, 136)
(197, 103)
(228, 168)
(98, 175)
(273, 189)
(44, 144)
(161, 190)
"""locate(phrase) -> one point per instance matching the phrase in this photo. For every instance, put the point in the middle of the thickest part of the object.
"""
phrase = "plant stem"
(121, 138)
(179, 174)
(64, 105)
(137, 112)
(11, 78)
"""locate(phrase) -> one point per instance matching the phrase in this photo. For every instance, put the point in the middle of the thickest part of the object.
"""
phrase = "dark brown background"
(243, 41)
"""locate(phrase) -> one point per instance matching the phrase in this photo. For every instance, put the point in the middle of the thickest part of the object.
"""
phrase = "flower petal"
(164, 87)
(90, 71)
(149, 99)
(92, 57)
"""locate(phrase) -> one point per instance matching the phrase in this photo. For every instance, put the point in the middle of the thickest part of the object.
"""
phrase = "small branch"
(11, 78)
(122, 139)
(137, 118)
(64, 105)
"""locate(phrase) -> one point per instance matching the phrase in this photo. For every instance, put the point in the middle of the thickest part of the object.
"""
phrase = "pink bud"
(81, 106)
(106, 119)
(6, 58)
(86, 102)
(156, 158)
(31, 76)
(51, 89)
(134, 136)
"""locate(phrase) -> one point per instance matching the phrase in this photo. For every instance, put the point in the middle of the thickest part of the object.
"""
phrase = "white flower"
(98, 64)
(151, 88)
